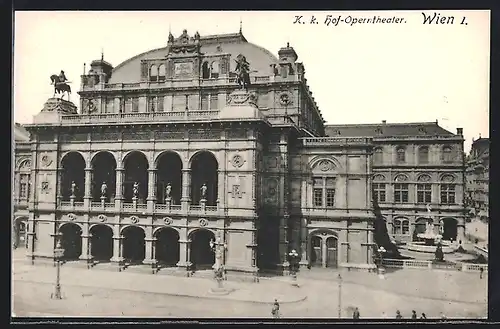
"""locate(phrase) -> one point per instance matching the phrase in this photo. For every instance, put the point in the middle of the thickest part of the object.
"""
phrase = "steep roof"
(20, 133)
(235, 43)
(387, 129)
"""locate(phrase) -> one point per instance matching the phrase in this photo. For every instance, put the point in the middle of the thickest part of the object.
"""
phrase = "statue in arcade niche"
(73, 189)
(203, 191)
(168, 191)
(136, 189)
(104, 189)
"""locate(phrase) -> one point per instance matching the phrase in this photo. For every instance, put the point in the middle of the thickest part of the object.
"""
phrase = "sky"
(358, 73)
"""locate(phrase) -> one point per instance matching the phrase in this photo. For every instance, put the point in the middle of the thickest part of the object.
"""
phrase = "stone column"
(186, 183)
(183, 253)
(221, 194)
(151, 189)
(324, 251)
(119, 188)
(88, 188)
(85, 242)
(16, 187)
(304, 259)
(59, 190)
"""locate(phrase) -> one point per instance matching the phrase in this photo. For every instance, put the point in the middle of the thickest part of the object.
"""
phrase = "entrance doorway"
(101, 246)
(323, 249)
(167, 247)
(134, 247)
(202, 256)
(71, 241)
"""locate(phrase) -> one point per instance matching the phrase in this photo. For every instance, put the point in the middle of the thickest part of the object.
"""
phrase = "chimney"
(460, 131)
(384, 122)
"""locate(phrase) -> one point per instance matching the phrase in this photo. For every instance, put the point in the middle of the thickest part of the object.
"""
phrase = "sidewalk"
(451, 286)
(264, 292)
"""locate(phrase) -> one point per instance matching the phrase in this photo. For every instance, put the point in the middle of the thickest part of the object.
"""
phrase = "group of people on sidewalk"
(399, 316)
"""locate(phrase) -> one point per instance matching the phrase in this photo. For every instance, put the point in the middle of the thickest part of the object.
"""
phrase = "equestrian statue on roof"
(243, 72)
(60, 83)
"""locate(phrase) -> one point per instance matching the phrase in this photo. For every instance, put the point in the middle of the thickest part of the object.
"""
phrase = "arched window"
(424, 189)
(447, 154)
(401, 189)
(324, 184)
(214, 70)
(400, 155)
(153, 73)
(379, 188)
(400, 226)
(447, 189)
(205, 70)
(378, 156)
(423, 154)
(161, 73)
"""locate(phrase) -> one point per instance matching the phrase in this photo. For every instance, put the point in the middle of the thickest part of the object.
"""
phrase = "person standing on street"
(423, 317)
(413, 315)
(355, 314)
(276, 309)
(481, 270)
(398, 315)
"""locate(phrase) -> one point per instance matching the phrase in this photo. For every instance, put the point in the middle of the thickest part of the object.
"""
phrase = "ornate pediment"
(184, 43)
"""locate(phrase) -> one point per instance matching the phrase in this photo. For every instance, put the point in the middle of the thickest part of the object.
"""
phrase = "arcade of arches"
(168, 178)
(166, 248)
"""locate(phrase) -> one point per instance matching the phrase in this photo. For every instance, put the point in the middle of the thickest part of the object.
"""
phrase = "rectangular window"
(448, 194)
(405, 227)
(330, 197)
(161, 101)
(179, 103)
(379, 192)
(214, 102)
(109, 108)
(424, 193)
(23, 186)
(152, 104)
(396, 227)
(135, 104)
(127, 101)
(401, 193)
(318, 197)
(204, 102)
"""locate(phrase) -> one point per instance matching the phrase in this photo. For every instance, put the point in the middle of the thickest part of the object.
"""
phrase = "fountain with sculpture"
(429, 239)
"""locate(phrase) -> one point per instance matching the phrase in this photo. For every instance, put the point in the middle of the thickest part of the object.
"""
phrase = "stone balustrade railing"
(138, 117)
(425, 264)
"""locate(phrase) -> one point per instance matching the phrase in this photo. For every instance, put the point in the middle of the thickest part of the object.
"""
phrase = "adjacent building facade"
(168, 153)
(477, 178)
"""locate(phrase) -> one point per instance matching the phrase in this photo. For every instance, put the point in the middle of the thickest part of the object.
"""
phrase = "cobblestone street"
(103, 293)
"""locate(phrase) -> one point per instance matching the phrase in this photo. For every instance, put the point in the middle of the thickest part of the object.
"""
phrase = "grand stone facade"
(166, 153)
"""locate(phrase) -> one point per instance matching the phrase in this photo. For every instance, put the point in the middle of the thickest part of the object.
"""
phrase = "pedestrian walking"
(398, 315)
(355, 314)
(423, 317)
(413, 315)
(481, 270)
(276, 309)
(442, 316)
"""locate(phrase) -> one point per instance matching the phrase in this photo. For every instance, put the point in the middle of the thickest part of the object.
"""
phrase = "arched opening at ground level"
(268, 256)
(323, 249)
(134, 248)
(450, 228)
(21, 233)
(101, 243)
(71, 241)
(420, 226)
(167, 247)
(202, 255)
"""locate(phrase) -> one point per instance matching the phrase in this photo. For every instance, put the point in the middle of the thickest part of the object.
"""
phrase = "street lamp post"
(340, 295)
(58, 254)
(381, 270)
(218, 247)
(293, 257)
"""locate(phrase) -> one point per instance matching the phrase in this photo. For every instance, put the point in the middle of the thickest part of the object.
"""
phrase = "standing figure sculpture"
(73, 188)
(168, 191)
(203, 191)
(243, 71)
(104, 189)
(60, 83)
(136, 189)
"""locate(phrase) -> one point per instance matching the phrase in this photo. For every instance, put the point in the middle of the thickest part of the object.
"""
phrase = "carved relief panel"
(271, 190)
